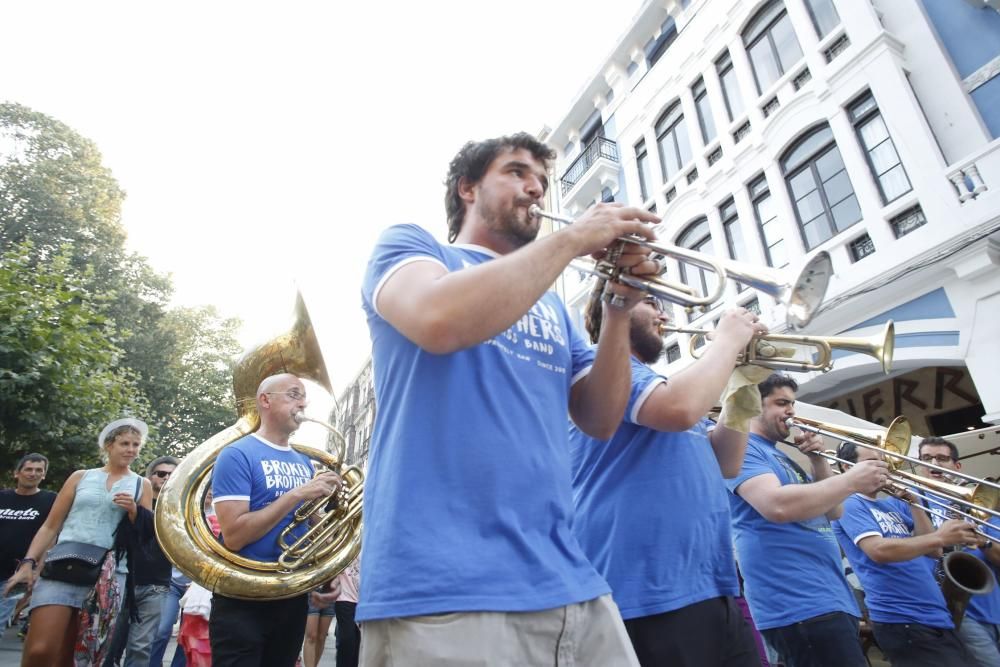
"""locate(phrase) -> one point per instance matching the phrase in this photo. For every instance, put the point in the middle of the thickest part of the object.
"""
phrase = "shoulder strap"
(138, 487)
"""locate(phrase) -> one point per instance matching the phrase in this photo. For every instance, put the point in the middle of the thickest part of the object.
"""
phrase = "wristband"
(614, 300)
(34, 563)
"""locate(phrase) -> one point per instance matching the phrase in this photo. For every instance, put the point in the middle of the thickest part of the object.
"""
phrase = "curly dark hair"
(472, 162)
(775, 380)
(594, 314)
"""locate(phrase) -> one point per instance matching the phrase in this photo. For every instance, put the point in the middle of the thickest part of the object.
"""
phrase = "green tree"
(60, 374)
(187, 362)
(58, 200)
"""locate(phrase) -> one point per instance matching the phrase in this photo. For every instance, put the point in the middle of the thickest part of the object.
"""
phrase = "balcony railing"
(595, 150)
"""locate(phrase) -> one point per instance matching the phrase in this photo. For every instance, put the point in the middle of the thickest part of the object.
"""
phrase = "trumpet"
(762, 349)
(982, 497)
(801, 295)
(964, 574)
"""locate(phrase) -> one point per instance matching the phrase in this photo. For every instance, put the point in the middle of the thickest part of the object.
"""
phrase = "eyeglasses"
(655, 303)
(293, 394)
(162, 474)
(936, 458)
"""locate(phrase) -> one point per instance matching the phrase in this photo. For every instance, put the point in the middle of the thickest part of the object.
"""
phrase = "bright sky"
(263, 144)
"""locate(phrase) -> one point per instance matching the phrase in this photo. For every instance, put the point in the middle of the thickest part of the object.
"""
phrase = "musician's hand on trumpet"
(957, 532)
(602, 225)
(867, 477)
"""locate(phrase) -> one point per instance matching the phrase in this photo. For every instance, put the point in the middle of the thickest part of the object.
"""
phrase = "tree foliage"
(102, 319)
(59, 364)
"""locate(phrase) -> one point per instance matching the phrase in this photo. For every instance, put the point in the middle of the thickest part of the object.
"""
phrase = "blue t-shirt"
(791, 571)
(652, 511)
(259, 472)
(902, 592)
(986, 608)
(468, 497)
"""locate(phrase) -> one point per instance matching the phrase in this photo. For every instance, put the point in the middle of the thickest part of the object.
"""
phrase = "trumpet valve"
(766, 350)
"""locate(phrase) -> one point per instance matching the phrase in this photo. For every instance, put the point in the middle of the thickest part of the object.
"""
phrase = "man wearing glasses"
(980, 630)
(652, 510)
(258, 482)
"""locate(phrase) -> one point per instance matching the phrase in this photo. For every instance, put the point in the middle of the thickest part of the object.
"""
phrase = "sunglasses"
(162, 474)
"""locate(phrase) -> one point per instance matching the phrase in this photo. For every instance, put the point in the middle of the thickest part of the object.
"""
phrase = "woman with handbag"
(83, 582)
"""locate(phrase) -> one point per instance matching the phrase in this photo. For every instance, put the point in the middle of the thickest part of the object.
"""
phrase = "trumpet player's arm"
(444, 311)
(897, 549)
(241, 527)
(691, 393)
(788, 503)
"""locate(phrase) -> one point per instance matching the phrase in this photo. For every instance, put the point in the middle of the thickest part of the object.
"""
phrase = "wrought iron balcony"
(599, 148)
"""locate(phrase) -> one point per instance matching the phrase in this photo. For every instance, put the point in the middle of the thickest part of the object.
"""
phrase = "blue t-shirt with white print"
(652, 511)
(260, 472)
(791, 571)
(468, 499)
(901, 592)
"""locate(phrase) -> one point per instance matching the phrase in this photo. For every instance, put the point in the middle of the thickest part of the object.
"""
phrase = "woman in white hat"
(71, 618)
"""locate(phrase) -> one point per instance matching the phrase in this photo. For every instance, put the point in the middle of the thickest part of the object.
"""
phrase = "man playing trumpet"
(980, 631)
(652, 508)
(467, 544)
(886, 542)
(788, 555)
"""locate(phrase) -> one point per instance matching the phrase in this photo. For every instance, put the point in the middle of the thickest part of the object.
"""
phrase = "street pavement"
(10, 650)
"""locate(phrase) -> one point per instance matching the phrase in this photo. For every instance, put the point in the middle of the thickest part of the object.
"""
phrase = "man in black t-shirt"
(23, 510)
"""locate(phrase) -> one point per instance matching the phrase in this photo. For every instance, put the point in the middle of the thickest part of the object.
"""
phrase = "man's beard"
(507, 224)
(646, 341)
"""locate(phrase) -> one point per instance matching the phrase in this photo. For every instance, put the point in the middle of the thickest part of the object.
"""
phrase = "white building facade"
(768, 130)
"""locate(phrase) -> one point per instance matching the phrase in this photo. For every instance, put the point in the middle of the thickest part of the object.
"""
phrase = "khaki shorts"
(586, 633)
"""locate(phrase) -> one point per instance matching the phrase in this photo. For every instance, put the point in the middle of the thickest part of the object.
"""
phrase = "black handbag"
(78, 562)
(74, 563)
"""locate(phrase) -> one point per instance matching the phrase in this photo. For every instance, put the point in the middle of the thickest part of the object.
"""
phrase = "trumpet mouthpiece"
(535, 211)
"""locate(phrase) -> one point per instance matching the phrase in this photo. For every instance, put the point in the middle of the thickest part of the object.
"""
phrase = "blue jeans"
(982, 640)
(830, 640)
(168, 616)
(148, 600)
(7, 605)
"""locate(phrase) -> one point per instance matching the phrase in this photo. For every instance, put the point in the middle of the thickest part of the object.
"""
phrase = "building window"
(673, 353)
(861, 247)
(767, 220)
(801, 79)
(836, 48)
(771, 44)
(734, 236)
(770, 106)
(692, 176)
(697, 236)
(714, 156)
(907, 221)
(753, 305)
(741, 132)
(886, 168)
(820, 187)
(824, 16)
(655, 48)
(704, 110)
(730, 88)
(642, 164)
(672, 141)
(670, 195)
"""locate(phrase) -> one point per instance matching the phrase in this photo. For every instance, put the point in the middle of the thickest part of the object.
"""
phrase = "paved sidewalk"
(10, 650)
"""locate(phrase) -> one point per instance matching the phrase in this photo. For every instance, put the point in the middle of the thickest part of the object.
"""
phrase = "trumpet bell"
(802, 296)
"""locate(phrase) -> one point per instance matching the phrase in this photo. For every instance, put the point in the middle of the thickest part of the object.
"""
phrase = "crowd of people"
(642, 533)
(87, 567)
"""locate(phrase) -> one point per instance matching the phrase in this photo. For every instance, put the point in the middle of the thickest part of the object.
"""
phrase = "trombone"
(762, 350)
(801, 295)
(982, 497)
